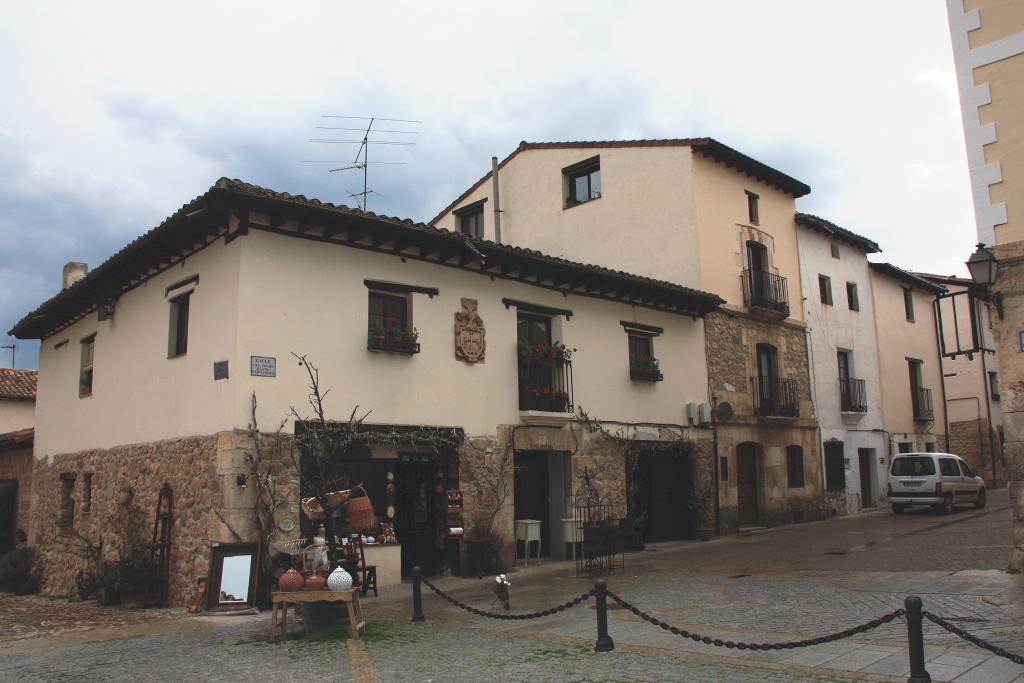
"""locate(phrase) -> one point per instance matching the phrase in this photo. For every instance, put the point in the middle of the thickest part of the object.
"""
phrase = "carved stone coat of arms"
(470, 342)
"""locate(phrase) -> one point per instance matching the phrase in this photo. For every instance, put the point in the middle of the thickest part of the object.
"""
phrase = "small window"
(389, 328)
(835, 249)
(642, 363)
(472, 224)
(177, 336)
(905, 447)
(851, 296)
(825, 289)
(86, 493)
(85, 369)
(584, 181)
(908, 303)
(67, 500)
(993, 385)
(723, 468)
(835, 466)
(930, 447)
(470, 219)
(795, 466)
(752, 207)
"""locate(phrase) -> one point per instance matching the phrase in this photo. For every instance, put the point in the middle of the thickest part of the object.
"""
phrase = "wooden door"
(8, 515)
(867, 495)
(664, 480)
(746, 482)
(532, 498)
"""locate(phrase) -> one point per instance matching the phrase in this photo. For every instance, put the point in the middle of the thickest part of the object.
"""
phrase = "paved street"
(767, 586)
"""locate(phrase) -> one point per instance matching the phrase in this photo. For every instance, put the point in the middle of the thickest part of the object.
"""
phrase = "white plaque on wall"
(262, 366)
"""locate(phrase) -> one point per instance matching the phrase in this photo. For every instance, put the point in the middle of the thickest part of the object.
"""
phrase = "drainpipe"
(497, 199)
(718, 502)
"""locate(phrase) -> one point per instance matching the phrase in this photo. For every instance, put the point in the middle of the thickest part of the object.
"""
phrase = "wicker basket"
(311, 506)
(359, 515)
(337, 499)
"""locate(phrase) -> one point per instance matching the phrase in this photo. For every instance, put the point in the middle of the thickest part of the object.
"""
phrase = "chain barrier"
(789, 645)
(498, 615)
(971, 638)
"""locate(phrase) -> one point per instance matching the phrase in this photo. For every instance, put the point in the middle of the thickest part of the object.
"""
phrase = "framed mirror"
(233, 573)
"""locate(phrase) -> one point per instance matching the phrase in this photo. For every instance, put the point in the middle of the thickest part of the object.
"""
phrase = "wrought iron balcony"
(922, 399)
(545, 384)
(774, 397)
(852, 395)
(766, 292)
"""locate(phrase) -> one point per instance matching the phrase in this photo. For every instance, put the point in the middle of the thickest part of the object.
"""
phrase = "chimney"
(73, 272)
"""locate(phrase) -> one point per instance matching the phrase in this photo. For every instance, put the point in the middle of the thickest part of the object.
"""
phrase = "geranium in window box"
(645, 369)
(393, 338)
(558, 352)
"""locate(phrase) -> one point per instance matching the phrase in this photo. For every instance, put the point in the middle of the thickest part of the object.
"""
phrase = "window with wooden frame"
(908, 303)
(852, 299)
(795, 466)
(583, 181)
(470, 219)
(643, 365)
(86, 493)
(752, 213)
(389, 326)
(85, 367)
(723, 467)
(993, 386)
(825, 289)
(835, 466)
(834, 248)
(177, 334)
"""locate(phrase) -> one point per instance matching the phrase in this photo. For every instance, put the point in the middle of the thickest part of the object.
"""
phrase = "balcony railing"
(766, 291)
(774, 397)
(852, 395)
(545, 384)
(922, 399)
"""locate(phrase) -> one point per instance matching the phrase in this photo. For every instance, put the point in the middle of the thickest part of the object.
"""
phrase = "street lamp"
(982, 266)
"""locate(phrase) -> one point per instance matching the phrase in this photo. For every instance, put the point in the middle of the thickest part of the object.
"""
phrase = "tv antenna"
(361, 160)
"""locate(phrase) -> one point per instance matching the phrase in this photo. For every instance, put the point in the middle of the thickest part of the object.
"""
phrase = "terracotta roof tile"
(18, 439)
(830, 229)
(18, 384)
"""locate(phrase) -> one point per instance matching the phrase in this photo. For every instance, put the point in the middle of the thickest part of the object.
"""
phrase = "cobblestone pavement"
(760, 587)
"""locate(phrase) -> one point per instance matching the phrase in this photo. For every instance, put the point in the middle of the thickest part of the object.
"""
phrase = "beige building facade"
(126, 402)
(988, 50)
(697, 212)
(913, 393)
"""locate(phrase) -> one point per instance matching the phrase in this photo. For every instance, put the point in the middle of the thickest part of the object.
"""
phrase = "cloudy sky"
(116, 114)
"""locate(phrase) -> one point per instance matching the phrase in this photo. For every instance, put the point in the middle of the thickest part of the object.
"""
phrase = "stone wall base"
(973, 440)
(17, 466)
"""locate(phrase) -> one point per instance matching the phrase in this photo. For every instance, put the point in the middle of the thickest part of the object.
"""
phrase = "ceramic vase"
(339, 580)
(290, 581)
(315, 582)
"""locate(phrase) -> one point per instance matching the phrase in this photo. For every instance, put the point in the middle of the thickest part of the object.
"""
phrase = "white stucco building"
(840, 314)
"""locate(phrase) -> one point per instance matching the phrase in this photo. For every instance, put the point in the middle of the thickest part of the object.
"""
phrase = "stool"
(528, 531)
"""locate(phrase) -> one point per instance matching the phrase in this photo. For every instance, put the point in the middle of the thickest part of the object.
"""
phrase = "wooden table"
(280, 600)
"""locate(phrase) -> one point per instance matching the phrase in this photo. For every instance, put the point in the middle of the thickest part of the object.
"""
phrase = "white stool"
(528, 531)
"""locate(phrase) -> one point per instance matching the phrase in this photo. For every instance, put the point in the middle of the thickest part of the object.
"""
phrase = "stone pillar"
(1010, 286)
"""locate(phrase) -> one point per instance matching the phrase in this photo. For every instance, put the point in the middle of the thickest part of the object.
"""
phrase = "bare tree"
(265, 484)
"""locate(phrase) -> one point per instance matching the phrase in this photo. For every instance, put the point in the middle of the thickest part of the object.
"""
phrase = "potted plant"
(703, 507)
(557, 351)
(644, 368)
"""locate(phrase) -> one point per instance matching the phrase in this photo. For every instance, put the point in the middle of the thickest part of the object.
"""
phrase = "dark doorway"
(415, 498)
(661, 493)
(867, 493)
(8, 515)
(532, 497)
(746, 483)
(757, 264)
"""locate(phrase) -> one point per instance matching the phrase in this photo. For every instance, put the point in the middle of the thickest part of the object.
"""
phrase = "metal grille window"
(825, 289)
(795, 466)
(85, 368)
(177, 337)
(851, 296)
(835, 466)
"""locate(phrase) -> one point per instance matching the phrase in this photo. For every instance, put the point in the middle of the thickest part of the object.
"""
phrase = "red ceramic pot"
(290, 581)
(315, 582)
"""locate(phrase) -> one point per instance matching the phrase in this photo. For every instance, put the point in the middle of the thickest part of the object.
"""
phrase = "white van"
(941, 480)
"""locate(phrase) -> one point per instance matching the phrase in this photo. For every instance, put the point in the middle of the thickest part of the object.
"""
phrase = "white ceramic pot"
(339, 580)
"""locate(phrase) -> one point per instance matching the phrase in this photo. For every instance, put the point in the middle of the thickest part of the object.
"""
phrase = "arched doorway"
(746, 482)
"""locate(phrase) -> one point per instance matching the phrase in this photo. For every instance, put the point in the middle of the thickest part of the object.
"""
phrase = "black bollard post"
(417, 597)
(604, 641)
(915, 640)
